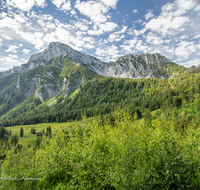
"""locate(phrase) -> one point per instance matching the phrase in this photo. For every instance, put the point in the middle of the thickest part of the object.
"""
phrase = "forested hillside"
(177, 96)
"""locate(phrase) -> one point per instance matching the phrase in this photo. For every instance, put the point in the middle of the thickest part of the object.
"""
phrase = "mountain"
(128, 66)
(59, 70)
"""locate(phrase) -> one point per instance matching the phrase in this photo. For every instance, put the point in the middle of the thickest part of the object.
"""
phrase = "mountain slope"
(178, 98)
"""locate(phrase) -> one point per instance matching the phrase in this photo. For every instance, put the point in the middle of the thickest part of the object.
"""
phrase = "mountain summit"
(128, 66)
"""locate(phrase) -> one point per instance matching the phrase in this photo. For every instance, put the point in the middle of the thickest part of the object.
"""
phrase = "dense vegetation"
(177, 96)
(124, 154)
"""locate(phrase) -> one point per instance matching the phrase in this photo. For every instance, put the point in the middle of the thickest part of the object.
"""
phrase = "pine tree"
(49, 129)
(21, 132)
(47, 132)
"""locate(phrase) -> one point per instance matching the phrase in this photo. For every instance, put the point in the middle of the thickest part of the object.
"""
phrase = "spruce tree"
(47, 131)
(21, 132)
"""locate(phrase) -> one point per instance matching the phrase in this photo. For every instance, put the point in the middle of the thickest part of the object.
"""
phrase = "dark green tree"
(21, 134)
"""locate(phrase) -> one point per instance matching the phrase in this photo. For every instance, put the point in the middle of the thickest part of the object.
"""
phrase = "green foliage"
(33, 130)
(130, 155)
(4, 134)
(13, 140)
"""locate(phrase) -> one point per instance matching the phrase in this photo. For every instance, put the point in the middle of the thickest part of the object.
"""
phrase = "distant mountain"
(197, 66)
(59, 70)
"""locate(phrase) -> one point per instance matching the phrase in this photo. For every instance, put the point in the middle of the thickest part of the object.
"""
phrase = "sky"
(106, 29)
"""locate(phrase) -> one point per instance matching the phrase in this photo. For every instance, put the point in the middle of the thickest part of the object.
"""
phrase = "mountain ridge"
(59, 70)
(107, 69)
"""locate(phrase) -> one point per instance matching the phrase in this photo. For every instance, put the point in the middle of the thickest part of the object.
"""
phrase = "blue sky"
(106, 29)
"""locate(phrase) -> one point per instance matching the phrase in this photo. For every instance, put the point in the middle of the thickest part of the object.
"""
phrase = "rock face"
(59, 70)
(128, 66)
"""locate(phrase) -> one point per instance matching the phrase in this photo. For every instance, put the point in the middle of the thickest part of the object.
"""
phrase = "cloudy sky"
(106, 29)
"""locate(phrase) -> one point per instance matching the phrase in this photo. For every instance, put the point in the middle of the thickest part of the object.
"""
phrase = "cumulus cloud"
(12, 49)
(149, 15)
(167, 25)
(185, 49)
(117, 36)
(10, 23)
(196, 36)
(62, 4)
(26, 51)
(153, 39)
(110, 3)
(197, 8)
(101, 28)
(129, 45)
(73, 12)
(25, 5)
(92, 9)
(109, 53)
(171, 18)
(13, 56)
(6, 37)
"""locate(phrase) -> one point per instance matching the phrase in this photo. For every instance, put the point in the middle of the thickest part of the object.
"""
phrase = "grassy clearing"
(39, 127)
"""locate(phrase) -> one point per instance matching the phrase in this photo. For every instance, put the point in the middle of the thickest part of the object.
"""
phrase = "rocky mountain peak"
(127, 66)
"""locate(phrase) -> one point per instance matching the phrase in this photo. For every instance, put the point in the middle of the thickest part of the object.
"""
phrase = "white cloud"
(197, 8)
(110, 3)
(129, 45)
(92, 9)
(10, 23)
(167, 25)
(116, 35)
(62, 4)
(108, 26)
(110, 53)
(101, 28)
(26, 51)
(149, 15)
(41, 3)
(196, 36)
(184, 6)
(141, 46)
(81, 26)
(25, 5)
(73, 12)
(12, 49)
(13, 56)
(185, 49)
(153, 39)
(20, 18)
(89, 46)
(135, 11)
(6, 37)
(183, 37)
(66, 6)
(171, 19)
(139, 32)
